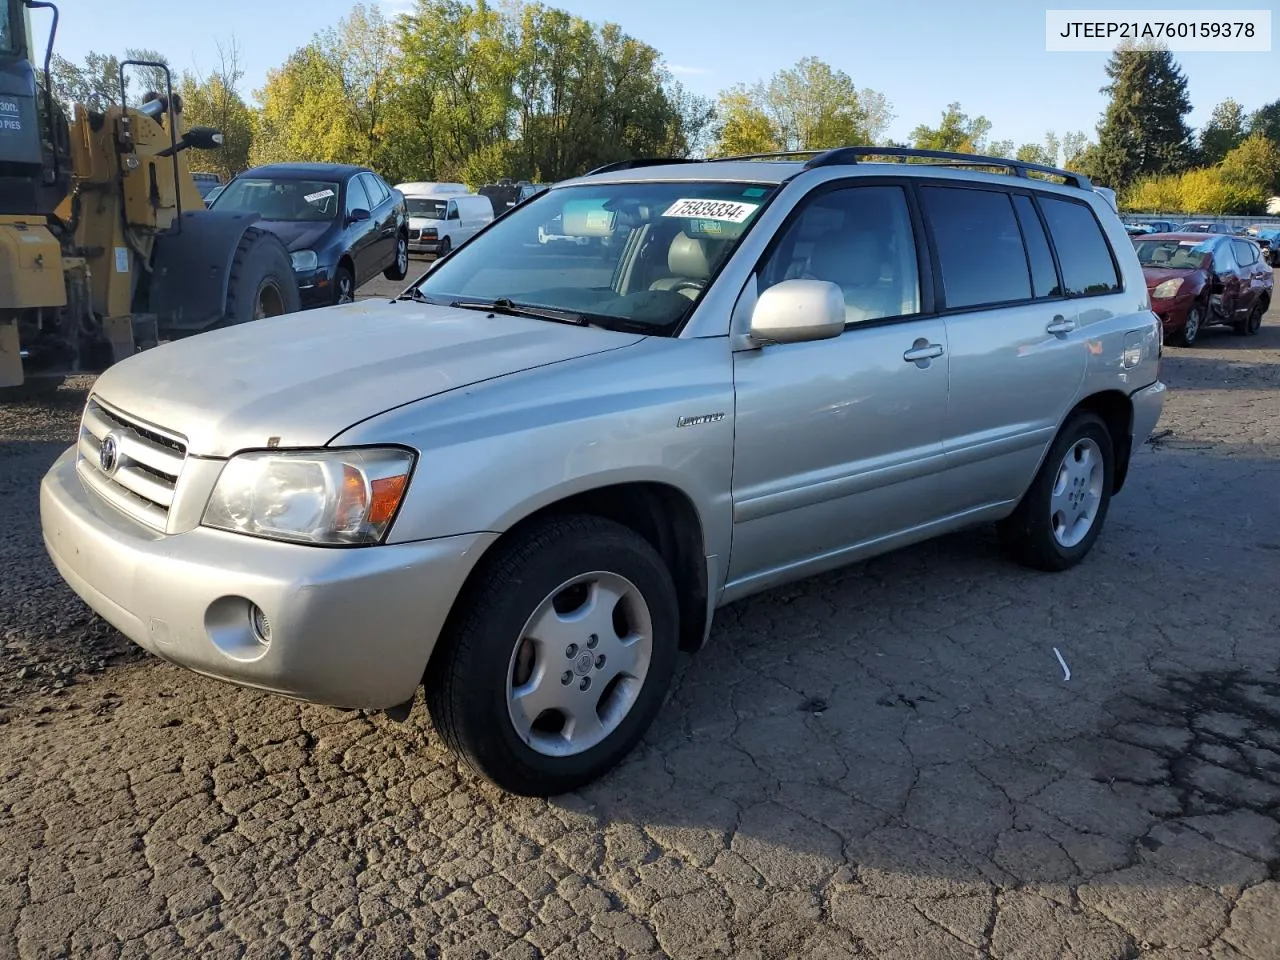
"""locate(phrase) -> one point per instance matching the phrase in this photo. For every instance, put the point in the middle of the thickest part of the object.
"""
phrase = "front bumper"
(423, 245)
(350, 627)
(1173, 311)
(315, 287)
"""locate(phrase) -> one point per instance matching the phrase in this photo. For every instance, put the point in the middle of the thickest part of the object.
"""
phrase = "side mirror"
(357, 215)
(796, 311)
(203, 138)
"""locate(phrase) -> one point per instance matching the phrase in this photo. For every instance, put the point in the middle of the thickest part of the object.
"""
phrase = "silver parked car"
(530, 481)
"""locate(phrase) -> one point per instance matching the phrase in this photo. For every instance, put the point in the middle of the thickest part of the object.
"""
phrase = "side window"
(356, 198)
(451, 211)
(980, 249)
(1223, 261)
(1083, 251)
(374, 189)
(1244, 253)
(1044, 275)
(860, 239)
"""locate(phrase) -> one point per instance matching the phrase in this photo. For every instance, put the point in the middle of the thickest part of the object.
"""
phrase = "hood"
(297, 235)
(1158, 275)
(306, 377)
(421, 223)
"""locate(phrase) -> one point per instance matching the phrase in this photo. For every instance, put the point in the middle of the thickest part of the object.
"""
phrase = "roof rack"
(848, 155)
(640, 162)
(775, 155)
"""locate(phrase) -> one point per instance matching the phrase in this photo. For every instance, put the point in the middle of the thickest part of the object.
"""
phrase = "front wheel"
(399, 268)
(443, 250)
(1062, 513)
(261, 283)
(558, 658)
(1191, 329)
(344, 285)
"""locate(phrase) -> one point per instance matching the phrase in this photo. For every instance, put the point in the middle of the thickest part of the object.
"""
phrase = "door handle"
(923, 350)
(1060, 324)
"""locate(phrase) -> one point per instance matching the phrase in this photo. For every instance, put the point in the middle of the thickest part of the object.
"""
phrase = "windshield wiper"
(509, 308)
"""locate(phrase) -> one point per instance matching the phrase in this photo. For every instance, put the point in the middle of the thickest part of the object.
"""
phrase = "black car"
(342, 224)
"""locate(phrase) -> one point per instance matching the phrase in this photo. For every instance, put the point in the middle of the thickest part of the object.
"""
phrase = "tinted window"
(860, 239)
(1083, 252)
(375, 188)
(288, 200)
(452, 211)
(1044, 275)
(1244, 252)
(356, 198)
(980, 248)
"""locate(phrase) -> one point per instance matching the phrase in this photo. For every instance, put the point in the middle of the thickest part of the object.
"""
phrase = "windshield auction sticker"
(318, 195)
(727, 210)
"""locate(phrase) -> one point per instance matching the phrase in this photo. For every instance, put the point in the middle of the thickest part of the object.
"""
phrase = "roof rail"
(774, 155)
(846, 155)
(640, 162)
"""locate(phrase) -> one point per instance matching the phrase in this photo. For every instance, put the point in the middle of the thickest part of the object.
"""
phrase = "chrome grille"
(141, 469)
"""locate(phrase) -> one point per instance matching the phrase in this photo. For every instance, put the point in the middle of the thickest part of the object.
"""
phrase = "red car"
(1199, 279)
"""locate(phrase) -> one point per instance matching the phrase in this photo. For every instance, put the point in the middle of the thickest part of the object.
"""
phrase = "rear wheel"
(1062, 513)
(399, 268)
(558, 657)
(1251, 326)
(261, 283)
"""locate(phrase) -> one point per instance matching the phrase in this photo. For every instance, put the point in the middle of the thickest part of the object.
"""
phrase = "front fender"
(191, 268)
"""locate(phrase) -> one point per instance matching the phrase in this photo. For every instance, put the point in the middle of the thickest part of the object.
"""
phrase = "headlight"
(304, 260)
(1167, 289)
(341, 497)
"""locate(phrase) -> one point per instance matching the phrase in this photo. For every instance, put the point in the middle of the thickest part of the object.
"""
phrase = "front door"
(360, 233)
(838, 443)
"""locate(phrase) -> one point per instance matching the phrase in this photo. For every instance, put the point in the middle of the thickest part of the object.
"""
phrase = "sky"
(990, 57)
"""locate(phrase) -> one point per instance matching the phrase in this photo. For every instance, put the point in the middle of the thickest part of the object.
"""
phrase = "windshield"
(1173, 254)
(429, 209)
(293, 200)
(633, 256)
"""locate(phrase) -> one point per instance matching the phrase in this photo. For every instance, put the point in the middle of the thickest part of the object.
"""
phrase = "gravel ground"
(882, 762)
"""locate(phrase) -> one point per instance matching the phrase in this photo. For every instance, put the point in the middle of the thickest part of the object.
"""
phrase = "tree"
(215, 101)
(1266, 121)
(1034, 153)
(1254, 166)
(1143, 131)
(96, 82)
(1223, 132)
(957, 133)
(807, 107)
(329, 101)
(1074, 144)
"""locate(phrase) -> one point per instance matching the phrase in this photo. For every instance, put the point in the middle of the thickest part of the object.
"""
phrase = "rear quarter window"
(1088, 267)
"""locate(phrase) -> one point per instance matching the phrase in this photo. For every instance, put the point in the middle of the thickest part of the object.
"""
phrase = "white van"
(430, 189)
(438, 221)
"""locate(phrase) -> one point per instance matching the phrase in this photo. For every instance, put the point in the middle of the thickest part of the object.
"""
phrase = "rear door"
(383, 213)
(1254, 274)
(360, 233)
(1017, 353)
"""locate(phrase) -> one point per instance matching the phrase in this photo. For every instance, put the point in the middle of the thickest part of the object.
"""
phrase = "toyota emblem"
(109, 455)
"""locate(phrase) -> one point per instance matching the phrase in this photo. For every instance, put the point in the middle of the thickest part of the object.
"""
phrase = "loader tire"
(261, 283)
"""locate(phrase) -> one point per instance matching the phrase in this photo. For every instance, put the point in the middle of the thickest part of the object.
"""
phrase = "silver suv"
(529, 481)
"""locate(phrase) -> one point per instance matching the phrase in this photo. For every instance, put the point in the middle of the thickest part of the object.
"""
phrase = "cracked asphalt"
(883, 762)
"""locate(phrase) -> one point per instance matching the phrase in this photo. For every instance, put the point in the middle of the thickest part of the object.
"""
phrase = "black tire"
(399, 268)
(261, 283)
(466, 683)
(1253, 325)
(344, 284)
(1028, 534)
(1188, 335)
(443, 250)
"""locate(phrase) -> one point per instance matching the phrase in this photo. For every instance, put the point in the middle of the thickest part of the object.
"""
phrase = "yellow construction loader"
(106, 247)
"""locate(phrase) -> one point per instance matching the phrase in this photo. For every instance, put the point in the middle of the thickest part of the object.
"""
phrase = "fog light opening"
(261, 625)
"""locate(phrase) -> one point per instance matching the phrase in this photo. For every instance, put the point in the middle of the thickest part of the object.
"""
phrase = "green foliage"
(1143, 132)
(1223, 133)
(1239, 185)
(96, 82)
(808, 107)
(1265, 121)
(957, 133)
(215, 101)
